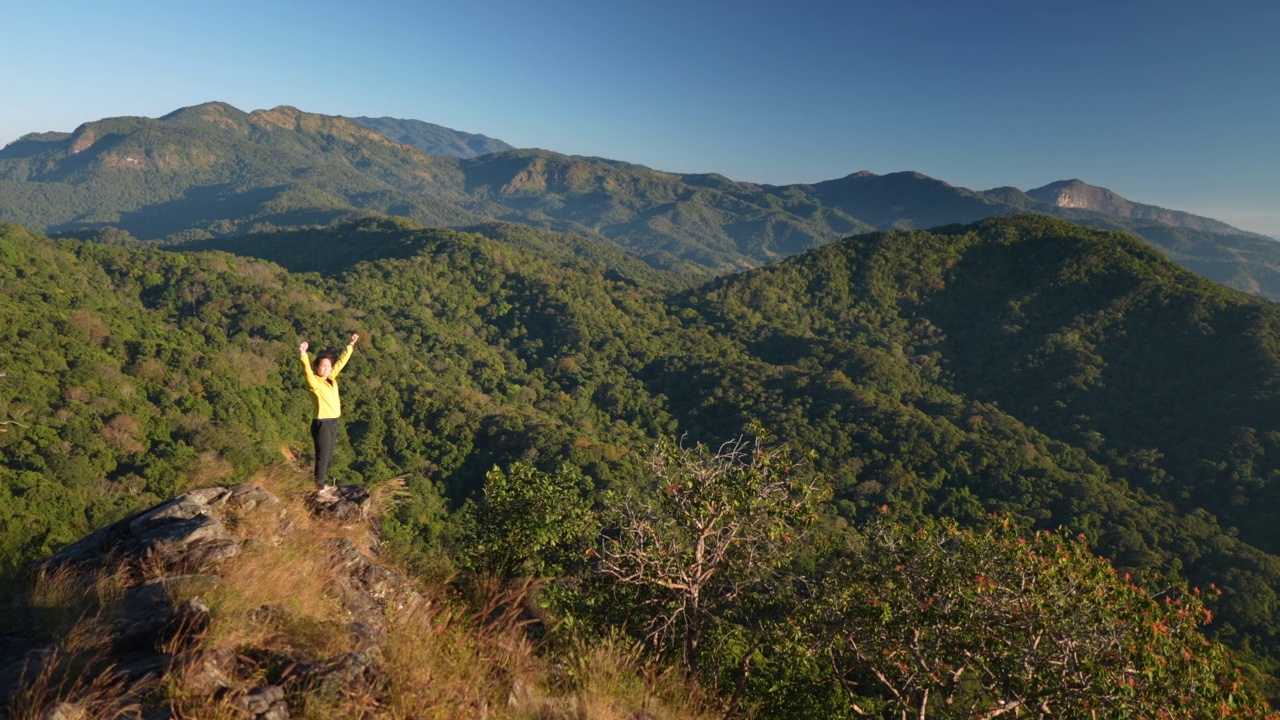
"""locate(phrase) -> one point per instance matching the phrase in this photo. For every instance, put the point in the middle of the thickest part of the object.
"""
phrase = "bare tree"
(712, 525)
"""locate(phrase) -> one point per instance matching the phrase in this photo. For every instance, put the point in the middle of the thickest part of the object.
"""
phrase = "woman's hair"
(325, 355)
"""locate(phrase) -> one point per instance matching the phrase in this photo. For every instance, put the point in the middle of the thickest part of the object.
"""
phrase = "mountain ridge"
(212, 170)
(433, 139)
(1078, 194)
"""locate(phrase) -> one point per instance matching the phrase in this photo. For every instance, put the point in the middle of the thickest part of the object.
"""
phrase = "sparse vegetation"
(276, 614)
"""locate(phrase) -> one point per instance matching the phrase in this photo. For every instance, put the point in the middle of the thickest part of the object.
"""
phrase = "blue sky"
(1174, 103)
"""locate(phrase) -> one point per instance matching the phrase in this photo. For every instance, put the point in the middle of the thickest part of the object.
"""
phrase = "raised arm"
(306, 362)
(346, 355)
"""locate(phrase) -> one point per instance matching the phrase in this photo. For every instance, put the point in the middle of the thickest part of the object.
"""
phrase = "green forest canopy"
(1025, 366)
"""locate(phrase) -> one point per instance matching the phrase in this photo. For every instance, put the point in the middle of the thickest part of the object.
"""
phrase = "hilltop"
(215, 171)
(258, 601)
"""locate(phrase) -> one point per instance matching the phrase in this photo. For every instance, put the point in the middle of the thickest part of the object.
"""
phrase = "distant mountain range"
(215, 171)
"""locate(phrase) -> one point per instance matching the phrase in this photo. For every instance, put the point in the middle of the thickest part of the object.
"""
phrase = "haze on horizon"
(1168, 103)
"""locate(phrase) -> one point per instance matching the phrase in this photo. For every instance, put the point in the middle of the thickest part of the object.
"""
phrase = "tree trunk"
(692, 630)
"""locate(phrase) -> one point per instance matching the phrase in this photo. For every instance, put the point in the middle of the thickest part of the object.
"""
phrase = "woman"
(324, 386)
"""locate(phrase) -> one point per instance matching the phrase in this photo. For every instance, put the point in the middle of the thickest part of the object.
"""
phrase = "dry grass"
(446, 657)
(385, 497)
(615, 682)
(445, 661)
(284, 565)
(78, 679)
(292, 578)
(79, 689)
(61, 598)
(208, 469)
(185, 700)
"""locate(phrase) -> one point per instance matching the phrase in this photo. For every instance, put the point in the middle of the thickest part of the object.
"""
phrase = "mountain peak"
(203, 109)
(1076, 193)
(283, 116)
(217, 114)
(1073, 182)
(291, 119)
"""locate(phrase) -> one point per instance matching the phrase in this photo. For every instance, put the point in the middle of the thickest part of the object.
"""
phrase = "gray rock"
(192, 543)
(141, 667)
(176, 534)
(183, 507)
(211, 670)
(368, 591)
(24, 648)
(147, 621)
(248, 496)
(261, 700)
(352, 503)
(356, 673)
(278, 711)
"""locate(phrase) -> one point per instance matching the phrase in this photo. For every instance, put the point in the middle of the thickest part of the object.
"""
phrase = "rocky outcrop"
(174, 550)
(175, 535)
(349, 503)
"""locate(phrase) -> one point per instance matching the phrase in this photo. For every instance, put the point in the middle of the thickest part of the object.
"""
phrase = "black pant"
(325, 435)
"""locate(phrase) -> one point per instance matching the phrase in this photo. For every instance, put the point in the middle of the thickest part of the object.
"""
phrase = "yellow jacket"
(328, 404)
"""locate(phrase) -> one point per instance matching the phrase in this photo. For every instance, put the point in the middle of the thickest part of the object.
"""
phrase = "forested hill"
(156, 367)
(1169, 380)
(1066, 376)
(334, 250)
(213, 171)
